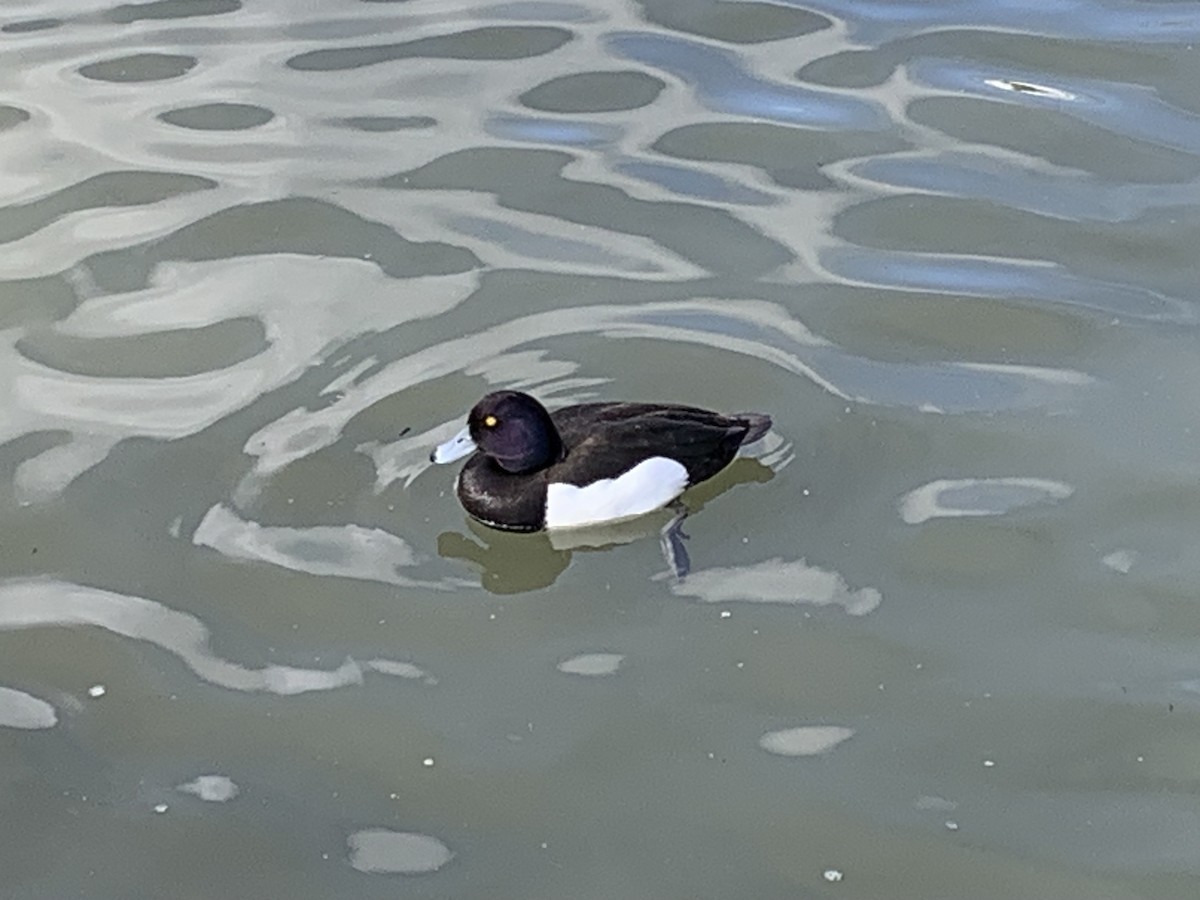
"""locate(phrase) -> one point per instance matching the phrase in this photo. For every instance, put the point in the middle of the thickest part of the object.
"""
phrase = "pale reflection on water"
(46, 603)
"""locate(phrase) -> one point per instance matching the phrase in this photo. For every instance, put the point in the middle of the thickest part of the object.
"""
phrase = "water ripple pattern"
(260, 257)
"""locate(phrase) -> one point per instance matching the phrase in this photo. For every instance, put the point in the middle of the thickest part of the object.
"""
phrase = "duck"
(587, 464)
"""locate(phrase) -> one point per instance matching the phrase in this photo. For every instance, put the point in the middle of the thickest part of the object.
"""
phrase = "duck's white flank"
(652, 483)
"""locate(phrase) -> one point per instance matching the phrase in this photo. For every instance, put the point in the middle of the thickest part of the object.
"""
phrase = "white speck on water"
(591, 664)
(211, 788)
(989, 763)
(951, 825)
(834, 875)
(427, 762)
(805, 740)
(96, 691)
(1120, 561)
(725, 614)
(161, 808)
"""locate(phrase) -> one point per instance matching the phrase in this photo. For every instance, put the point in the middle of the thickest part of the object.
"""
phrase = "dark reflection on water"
(481, 44)
(515, 563)
(938, 640)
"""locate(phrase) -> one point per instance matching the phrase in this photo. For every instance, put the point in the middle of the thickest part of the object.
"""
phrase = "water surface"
(939, 638)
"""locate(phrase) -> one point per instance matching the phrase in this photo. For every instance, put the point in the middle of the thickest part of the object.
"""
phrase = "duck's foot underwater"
(671, 539)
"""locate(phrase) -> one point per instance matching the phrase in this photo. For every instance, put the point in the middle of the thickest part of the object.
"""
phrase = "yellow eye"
(490, 421)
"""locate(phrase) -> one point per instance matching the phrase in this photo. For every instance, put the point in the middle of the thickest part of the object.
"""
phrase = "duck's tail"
(757, 425)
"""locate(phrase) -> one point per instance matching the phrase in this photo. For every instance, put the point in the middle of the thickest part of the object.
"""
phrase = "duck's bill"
(456, 448)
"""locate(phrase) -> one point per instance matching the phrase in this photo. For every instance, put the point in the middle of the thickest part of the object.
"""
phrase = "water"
(940, 636)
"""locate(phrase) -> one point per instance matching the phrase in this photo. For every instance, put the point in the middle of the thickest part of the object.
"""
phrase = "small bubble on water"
(96, 691)
(161, 808)
(834, 875)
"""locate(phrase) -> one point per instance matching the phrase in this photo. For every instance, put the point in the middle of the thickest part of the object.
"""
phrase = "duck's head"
(510, 427)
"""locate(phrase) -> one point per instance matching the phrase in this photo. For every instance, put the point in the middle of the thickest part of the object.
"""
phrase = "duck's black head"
(516, 431)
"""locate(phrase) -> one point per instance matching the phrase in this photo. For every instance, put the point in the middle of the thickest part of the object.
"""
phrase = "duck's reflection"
(512, 563)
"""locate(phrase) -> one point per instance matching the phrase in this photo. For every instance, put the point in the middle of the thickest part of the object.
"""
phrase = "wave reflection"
(342, 551)
(760, 330)
(38, 603)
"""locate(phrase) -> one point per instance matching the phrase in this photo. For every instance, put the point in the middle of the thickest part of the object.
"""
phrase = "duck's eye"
(490, 421)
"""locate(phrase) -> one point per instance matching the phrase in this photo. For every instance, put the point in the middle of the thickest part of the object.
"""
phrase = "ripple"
(296, 225)
(742, 22)
(11, 117)
(592, 92)
(383, 124)
(31, 25)
(139, 67)
(532, 181)
(556, 132)
(695, 183)
(1046, 134)
(992, 277)
(110, 190)
(218, 116)
(495, 43)
(128, 13)
(380, 850)
(762, 331)
(586, 249)
(591, 664)
(871, 21)
(791, 157)
(724, 86)
(952, 498)
(178, 353)
(40, 603)
(805, 740)
(289, 295)
(341, 551)
(778, 581)
(1062, 194)
(21, 710)
(1130, 110)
